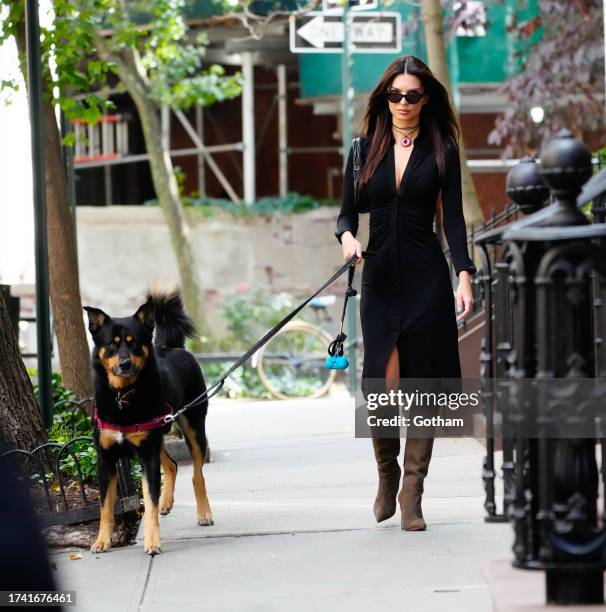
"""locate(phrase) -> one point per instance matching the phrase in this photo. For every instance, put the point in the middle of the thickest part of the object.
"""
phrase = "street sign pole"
(42, 292)
(347, 120)
(340, 31)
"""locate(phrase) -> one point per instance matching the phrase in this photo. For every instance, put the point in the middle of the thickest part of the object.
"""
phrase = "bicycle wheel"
(291, 364)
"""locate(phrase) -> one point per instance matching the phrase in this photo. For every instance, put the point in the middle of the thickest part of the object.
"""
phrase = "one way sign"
(316, 32)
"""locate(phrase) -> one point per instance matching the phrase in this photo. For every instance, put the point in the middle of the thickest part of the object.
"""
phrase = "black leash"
(272, 332)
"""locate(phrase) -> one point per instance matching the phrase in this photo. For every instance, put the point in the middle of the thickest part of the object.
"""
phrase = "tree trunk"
(165, 185)
(64, 284)
(436, 53)
(20, 419)
(74, 352)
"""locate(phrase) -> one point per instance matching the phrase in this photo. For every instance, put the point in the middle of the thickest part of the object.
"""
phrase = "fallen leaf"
(75, 556)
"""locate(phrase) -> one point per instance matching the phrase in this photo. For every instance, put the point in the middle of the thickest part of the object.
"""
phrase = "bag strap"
(357, 165)
(336, 346)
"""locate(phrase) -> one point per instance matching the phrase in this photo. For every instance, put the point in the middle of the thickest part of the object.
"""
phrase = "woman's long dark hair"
(437, 116)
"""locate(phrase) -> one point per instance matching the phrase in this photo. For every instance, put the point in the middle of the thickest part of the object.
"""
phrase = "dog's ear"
(145, 315)
(96, 319)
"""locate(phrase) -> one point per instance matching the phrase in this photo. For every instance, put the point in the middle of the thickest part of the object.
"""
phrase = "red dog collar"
(137, 427)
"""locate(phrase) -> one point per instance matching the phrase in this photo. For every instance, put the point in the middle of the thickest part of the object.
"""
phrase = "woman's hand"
(464, 295)
(350, 247)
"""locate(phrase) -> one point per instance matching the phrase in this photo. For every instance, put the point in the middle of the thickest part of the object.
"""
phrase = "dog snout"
(126, 364)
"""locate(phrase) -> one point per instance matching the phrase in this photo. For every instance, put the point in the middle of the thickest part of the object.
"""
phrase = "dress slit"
(395, 339)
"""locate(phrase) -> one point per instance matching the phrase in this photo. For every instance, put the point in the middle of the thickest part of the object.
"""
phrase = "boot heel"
(386, 501)
(417, 455)
(412, 514)
(386, 455)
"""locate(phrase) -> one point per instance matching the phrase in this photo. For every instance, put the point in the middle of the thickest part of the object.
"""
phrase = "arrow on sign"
(317, 32)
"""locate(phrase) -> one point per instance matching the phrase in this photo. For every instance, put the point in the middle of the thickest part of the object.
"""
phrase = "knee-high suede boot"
(417, 454)
(386, 454)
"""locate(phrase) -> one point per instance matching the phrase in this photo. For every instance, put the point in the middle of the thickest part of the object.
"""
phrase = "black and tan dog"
(136, 383)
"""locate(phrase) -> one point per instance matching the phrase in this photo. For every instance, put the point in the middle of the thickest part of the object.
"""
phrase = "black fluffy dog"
(136, 384)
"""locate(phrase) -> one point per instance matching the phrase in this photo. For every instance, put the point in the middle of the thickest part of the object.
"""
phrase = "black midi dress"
(406, 295)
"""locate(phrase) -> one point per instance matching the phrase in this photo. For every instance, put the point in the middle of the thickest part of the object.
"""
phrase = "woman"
(407, 307)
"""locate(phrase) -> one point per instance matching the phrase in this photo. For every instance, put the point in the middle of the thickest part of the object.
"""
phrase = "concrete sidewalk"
(291, 491)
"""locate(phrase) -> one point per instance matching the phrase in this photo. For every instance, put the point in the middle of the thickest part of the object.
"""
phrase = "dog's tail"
(173, 324)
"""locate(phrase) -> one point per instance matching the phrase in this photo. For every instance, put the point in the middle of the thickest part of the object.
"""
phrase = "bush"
(60, 393)
(250, 312)
(292, 202)
(70, 421)
(242, 382)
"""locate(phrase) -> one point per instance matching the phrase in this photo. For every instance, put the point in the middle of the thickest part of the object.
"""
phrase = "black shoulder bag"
(336, 360)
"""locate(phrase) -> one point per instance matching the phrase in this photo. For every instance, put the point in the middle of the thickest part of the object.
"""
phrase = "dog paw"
(206, 519)
(165, 507)
(101, 545)
(152, 546)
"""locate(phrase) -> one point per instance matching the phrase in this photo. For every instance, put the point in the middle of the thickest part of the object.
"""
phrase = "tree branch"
(254, 23)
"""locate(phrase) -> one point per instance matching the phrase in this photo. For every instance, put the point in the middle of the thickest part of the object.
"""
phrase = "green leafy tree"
(435, 33)
(561, 52)
(159, 64)
(149, 49)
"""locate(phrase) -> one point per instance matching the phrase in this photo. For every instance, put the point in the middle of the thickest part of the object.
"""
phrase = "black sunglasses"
(412, 97)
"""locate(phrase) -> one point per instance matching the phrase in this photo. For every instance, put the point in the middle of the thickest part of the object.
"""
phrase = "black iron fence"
(542, 282)
(510, 212)
(62, 478)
